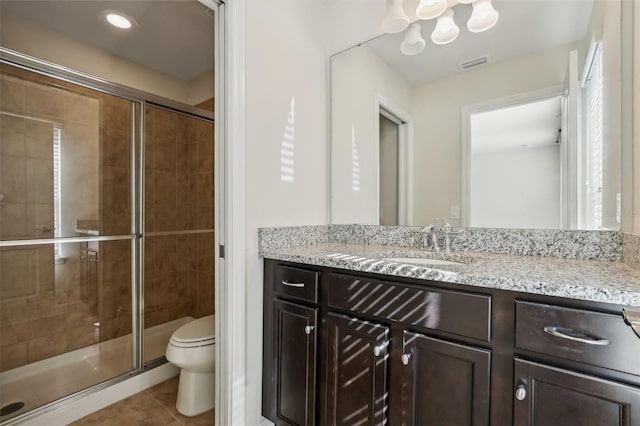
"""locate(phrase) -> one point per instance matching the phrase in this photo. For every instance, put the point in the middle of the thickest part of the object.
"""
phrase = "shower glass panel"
(179, 196)
(66, 238)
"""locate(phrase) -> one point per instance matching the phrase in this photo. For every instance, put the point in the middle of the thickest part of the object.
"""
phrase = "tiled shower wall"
(49, 307)
(178, 197)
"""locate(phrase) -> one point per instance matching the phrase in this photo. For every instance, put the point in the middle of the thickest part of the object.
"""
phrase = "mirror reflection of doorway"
(513, 148)
(389, 157)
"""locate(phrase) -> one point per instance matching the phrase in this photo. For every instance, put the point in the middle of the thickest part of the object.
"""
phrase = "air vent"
(474, 63)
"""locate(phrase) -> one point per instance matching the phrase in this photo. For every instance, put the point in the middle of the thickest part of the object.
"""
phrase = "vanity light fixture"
(395, 19)
(429, 9)
(118, 19)
(446, 29)
(483, 17)
(413, 42)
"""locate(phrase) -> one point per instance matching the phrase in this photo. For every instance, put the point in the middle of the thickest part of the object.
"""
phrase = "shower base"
(42, 382)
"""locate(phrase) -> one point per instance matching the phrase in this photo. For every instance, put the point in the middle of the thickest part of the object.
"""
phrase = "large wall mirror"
(518, 126)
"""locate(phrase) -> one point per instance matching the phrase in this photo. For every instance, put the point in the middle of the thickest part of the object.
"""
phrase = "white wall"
(497, 182)
(438, 133)
(359, 76)
(636, 122)
(286, 80)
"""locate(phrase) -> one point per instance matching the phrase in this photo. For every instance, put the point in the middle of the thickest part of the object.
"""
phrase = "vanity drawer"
(296, 283)
(464, 314)
(579, 335)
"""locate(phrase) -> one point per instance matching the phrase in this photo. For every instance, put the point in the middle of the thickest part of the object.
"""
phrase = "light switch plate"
(455, 212)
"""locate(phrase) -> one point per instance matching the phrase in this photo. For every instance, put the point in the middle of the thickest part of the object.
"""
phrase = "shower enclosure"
(106, 229)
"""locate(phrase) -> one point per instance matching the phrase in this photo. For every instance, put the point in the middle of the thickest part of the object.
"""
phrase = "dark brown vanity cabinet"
(582, 338)
(295, 362)
(444, 383)
(357, 371)
(350, 348)
(291, 347)
(552, 396)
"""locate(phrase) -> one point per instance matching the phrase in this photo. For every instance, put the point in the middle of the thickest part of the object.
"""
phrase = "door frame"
(489, 105)
(405, 157)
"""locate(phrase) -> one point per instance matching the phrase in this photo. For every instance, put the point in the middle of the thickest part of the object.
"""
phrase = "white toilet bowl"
(192, 349)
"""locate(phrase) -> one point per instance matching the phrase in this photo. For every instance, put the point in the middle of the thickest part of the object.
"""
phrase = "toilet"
(191, 348)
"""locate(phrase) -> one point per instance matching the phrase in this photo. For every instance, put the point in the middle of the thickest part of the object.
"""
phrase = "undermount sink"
(422, 261)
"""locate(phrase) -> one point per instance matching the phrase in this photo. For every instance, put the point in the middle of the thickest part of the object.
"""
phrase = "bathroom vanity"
(356, 339)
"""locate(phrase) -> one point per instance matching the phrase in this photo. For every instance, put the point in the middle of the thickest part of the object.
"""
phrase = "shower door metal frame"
(139, 100)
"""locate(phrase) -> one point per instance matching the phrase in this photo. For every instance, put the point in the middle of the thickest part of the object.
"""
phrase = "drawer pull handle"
(308, 329)
(521, 392)
(568, 334)
(288, 284)
(405, 358)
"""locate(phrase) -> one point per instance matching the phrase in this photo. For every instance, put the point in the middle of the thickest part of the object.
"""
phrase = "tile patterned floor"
(155, 406)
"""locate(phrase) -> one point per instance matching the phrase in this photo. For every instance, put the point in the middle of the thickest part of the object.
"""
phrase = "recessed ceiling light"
(118, 19)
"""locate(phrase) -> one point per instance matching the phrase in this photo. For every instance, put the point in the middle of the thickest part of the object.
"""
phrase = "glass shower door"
(67, 239)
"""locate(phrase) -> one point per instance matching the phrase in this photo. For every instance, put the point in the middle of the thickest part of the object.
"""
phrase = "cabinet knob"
(308, 329)
(405, 359)
(521, 392)
(377, 350)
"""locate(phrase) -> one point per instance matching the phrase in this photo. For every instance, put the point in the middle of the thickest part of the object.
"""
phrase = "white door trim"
(230, 302)
(491, 104)
(405, 158)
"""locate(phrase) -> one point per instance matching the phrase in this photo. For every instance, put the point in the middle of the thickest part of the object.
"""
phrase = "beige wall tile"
(13, 179)
(39, 139)
(44, 101)
(13, 334)
(13, 311)
(18, 273)
(115, 112)
(164, 124)
(13, 221)
(81, 108)
(12, 136)
(116, 145)
(47, 325)
(47, 346)
(164, 154)
(13, 356)
(12, 94)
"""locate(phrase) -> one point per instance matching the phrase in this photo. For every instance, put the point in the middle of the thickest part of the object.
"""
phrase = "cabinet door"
(551, 396)
(295, 363)
(444, 383)
(357, 368)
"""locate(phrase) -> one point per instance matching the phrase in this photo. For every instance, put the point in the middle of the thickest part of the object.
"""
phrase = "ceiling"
(175, 37)
(524, 26)
(526, 126)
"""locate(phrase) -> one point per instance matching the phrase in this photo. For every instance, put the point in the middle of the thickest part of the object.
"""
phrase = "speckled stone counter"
(594, 280)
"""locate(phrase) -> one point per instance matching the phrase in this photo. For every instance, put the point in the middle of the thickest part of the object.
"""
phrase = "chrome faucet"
(430, 237)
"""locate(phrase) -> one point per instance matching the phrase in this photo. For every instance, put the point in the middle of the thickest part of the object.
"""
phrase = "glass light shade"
(446, 29)
(466, 1)
(483, 17)
(413, 42)
(395, 19)
(429, 9)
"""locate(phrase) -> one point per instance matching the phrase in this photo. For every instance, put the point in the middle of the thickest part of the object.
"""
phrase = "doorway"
(389, 156)
(515, 165)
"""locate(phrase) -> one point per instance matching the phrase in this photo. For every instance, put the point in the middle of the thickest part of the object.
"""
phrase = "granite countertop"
(593, 280)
